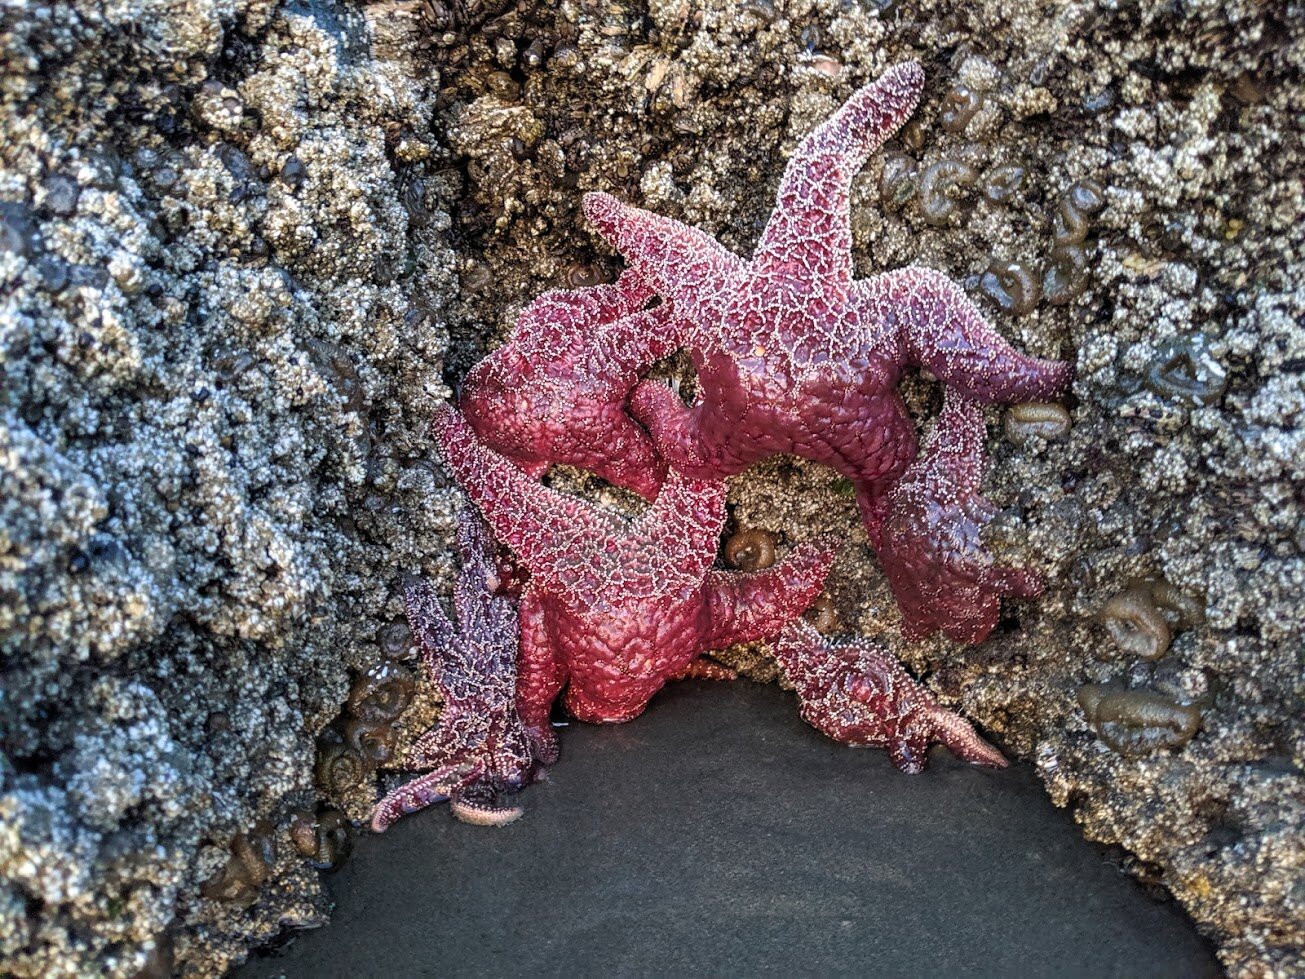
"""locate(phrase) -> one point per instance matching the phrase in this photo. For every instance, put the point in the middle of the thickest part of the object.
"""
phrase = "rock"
(196, 197)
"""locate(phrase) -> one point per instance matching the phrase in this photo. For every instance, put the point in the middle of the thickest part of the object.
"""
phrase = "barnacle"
(19, 232)
(337, 369)
(160, 963)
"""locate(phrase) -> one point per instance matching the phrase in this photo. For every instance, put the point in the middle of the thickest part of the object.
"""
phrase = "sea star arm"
(673, 426)
(631, 343)
(688, 267)
(810, 229)
(556, 390)
(477, 749)
(680, 528)
(422, 791)
(471, 797)
(941, 574)
(706, 669)
(482, 610)
(938, 327)
(430, 626)
(606, 440)
(617, 449)
(745, 606)
(856, 693)
(541, 674)
(579, 308)
(547, 530)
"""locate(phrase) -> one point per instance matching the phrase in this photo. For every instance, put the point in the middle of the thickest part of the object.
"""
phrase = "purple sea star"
(555, 391)
(613, 609)
(856, 693)
(478, 749)
(940, 572)
(792, 354)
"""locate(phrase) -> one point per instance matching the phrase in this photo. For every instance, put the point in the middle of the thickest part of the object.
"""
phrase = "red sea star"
(858, 694)
(555, 391)
(613, 609)
(792, 354)
(940, 572)
(478, 749)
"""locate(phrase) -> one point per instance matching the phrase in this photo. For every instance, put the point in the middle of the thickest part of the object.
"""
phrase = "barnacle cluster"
(211, 286)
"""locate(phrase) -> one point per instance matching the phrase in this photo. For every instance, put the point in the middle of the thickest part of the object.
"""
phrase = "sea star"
(613, 609)
(478, 749)
(858, 694)
(792, 354)
(555, 391)
(940, 572)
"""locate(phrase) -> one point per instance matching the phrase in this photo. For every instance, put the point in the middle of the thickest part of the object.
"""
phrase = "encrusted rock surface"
(220, 340)
(238, 238)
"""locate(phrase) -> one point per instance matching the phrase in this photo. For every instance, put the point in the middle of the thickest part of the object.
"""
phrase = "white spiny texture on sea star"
(856, 693)
(478, 749)
(795, 356)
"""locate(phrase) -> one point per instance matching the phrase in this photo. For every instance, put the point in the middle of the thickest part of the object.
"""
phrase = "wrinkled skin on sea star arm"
(941, 574)
(809, 235)
(478, 750)
(944, 331)
(792, 355)
(856, 693)
(541, 674)
(615, 608)
(555, 391)
(741, 607)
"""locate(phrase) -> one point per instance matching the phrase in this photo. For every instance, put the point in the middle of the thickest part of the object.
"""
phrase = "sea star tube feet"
(616, 608)
(941, 574)
(856, 693)
(478, 750)
(792, 354)
(555, 391)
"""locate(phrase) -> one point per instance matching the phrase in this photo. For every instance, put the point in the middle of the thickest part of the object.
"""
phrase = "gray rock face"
(219, 338)
(238, 239)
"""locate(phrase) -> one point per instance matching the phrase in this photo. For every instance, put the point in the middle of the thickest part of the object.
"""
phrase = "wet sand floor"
(720, 835)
